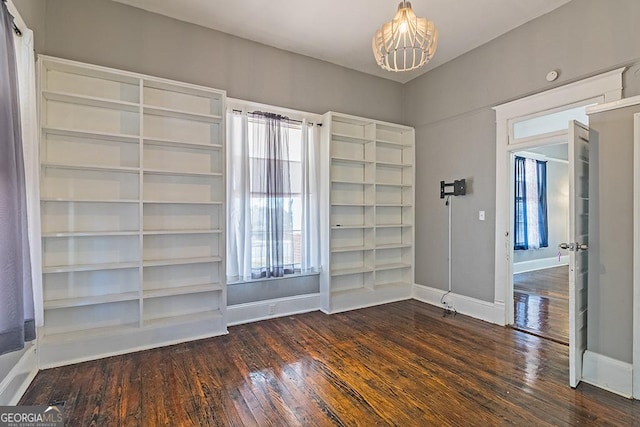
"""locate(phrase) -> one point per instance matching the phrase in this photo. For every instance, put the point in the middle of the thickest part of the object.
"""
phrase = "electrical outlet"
(272, 308)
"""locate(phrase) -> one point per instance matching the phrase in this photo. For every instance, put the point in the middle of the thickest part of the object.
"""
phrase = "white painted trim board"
(607, 373)
(539, 264)
(268, 309)
(608, 84)
(54, 352)
(626, 102)
(636, 256)
(468, 306)
(15, 384)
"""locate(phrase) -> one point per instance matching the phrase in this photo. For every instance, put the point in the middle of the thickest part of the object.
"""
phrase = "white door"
(577, 246)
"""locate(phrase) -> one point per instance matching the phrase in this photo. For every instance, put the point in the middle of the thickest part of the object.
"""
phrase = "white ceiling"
(340, 31)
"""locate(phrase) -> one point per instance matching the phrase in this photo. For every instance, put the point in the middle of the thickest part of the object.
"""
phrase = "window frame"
(541, 199)
(239, 105)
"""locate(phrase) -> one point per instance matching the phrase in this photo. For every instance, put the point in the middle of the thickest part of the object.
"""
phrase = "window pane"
(295, 144)
(530, 204)
(289, 203)
(549, 123)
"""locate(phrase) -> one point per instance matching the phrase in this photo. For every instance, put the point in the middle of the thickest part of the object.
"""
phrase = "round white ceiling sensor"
(552, 75)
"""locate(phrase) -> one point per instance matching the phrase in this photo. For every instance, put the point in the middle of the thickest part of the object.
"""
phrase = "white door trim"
(578, 309)
(606, 87)
(636, 257)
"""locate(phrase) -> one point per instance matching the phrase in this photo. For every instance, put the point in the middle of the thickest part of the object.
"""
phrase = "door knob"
(574, 246)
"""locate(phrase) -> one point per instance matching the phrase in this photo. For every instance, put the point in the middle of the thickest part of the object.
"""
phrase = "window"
(551, 122)
(274, 153)
(531, 225)
(272, 194)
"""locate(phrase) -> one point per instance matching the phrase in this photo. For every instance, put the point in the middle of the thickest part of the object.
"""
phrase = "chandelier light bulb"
(406, 43)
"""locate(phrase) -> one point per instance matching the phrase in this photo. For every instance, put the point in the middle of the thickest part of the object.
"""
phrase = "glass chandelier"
(405, 43)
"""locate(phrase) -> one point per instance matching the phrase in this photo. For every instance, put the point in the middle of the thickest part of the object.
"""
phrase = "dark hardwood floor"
(398, 364)
(541, 303)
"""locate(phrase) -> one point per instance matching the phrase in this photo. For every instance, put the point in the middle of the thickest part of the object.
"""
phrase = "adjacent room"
(320, 213)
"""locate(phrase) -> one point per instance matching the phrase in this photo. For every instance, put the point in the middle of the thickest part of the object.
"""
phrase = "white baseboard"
(13, 386)
(279, 307)
(499, 313)
(356, 299)
(539, 264)
(607, 373)
(57, 350)
(464, 305)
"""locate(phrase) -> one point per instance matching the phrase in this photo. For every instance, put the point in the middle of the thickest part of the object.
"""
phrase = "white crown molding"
(622, 103)
(608, 84)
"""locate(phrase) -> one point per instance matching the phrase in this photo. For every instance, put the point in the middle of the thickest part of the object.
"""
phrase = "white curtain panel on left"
(310, 198)
(26, 65)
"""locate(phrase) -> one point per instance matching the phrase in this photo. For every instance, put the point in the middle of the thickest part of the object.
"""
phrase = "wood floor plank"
(398, 364)
(541, 303)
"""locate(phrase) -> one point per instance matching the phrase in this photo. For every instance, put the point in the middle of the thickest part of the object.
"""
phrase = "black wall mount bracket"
(459, 188)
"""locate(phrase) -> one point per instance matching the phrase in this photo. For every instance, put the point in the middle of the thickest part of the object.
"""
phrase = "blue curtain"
(543, 224)
(520, 221)
(522, 206)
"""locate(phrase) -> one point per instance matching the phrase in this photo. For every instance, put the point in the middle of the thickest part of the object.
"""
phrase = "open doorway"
(540, 205)
(517, 130)
(541, 223)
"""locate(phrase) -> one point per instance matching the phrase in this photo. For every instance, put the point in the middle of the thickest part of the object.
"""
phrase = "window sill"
(270, 279)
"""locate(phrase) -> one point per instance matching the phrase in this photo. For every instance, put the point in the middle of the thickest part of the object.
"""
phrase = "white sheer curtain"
(238, 198)
(310, 198)
(532, 198)
(25, 60)
(239, 219)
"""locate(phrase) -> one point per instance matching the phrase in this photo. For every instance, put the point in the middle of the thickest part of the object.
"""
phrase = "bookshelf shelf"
(368, 212)
(132, 202)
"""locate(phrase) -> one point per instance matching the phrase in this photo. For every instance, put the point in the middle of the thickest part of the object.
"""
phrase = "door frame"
(636, 256)
(606, 87)
(545, 140)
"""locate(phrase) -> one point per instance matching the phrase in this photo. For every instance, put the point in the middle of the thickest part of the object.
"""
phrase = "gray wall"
(447, 151)
(450, 107)
(107, 33)
(610, 329)
(557, 213)
(33, 14)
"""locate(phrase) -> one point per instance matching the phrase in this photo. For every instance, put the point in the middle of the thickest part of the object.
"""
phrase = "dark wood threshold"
(539, 335)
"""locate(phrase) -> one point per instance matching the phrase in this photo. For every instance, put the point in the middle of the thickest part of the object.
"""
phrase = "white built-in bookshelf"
(368, 216)
(133, 211)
